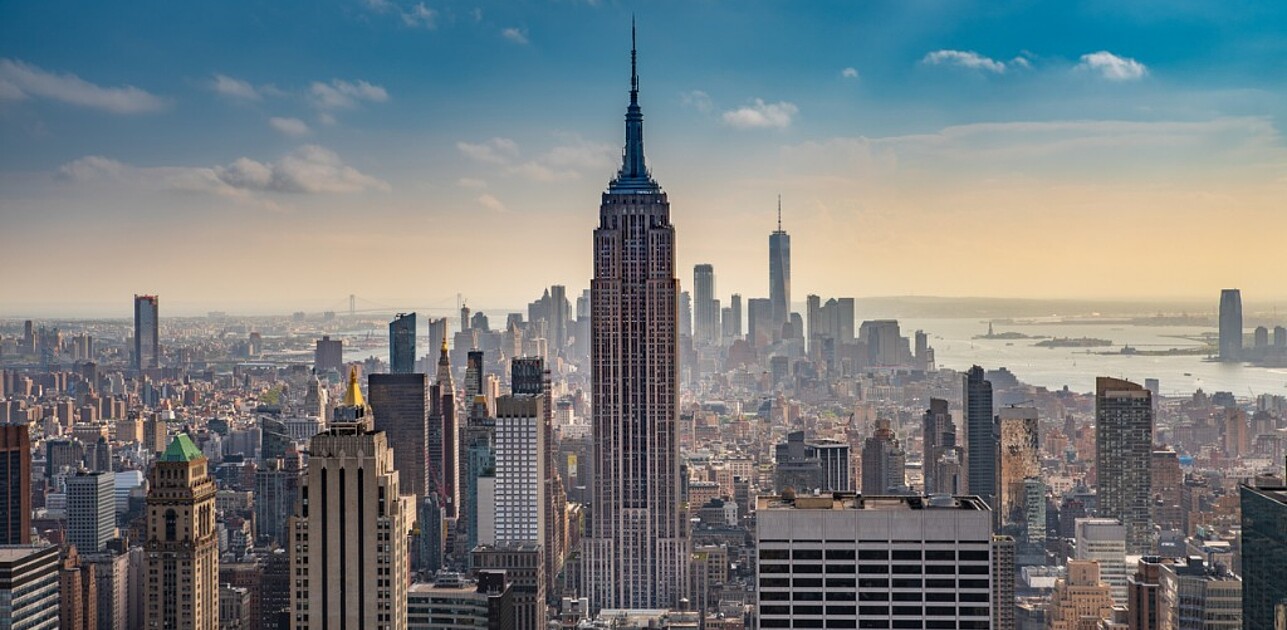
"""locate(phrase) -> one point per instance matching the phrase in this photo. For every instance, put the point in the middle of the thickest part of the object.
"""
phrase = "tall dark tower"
(780, 273)
(147, 345)
(402, 344)
(636, 546)
(1230, 324)
(981, 437)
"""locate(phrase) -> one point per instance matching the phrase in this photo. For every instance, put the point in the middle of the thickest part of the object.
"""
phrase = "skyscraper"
(981, 439)
(780, 273)
(91, 510)
(400, 404)
(328, 355)
(558, 319)
(1104, 541)
(636, 547)
(941, 457)
(528, 376)
(884, 464)
(1230, 324)
(1123, 457)
(1020, 460)
(444, 437)
(402, 344)
(15, 484)
(349, 553)
(147, 347)
(705, 306)
(520, 468)
(1264, 554)
(29, 586)
(181, 589)
(735, 314)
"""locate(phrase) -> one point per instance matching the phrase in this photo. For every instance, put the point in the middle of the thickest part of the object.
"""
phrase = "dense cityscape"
(644, 451)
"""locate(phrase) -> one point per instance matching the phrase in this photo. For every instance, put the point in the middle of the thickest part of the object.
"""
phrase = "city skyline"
(912, 127)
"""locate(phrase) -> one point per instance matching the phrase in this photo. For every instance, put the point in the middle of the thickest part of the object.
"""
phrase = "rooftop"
(854, 501)
(181, 449)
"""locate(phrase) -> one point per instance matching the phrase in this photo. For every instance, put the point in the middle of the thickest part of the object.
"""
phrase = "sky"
(279, 156)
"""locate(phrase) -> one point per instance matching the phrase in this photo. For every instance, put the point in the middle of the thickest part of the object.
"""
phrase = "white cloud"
(849, 73)
(310, 169)
(20, 81)
(234, 88)
(759, 114)
(471, 182)
(289, 126)
(340, 94)
(698, 100)
(964, 59)
(494, 151)
(491, 203)
(421, 16)
(516, 35)
(1112, 67)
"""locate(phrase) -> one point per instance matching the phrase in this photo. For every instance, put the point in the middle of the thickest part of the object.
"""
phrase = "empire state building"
(636, 550)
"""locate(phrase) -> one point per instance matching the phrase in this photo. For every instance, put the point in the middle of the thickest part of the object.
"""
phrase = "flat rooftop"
(854, 501)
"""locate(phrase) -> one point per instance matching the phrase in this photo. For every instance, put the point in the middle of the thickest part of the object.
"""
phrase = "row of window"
(903, 569)
(877, 624)
(948, 555)
(880, 611)
(875, 596)
(782, 582)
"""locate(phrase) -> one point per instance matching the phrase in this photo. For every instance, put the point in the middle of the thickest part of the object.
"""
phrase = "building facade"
(147, 345)
(1264, 554)
(181, 589)
(402, 344)
(635, 549)
(91, 510)
(15, 484)
(400, 404)
(1123, 458)
(1230, 324)
(981, 439)
(29, 586)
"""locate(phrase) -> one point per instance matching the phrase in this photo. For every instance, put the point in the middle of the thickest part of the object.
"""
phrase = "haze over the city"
(271, 157)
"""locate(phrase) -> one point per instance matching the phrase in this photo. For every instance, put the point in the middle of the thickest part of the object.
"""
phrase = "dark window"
(907, 583)
(943, 611)
(976, 624)
(907, 611)
(775, 554)
(840, 610)
(840, 554)
(774, 596)
(808, 596)
(873, 610)
(975, 569)
(774, 609)
(775, 623)
(808, 568)
(980, 554)
(873, 554)
(775, 582)
(907, 554)
(842, 623)
(808, 623)
(840, 596)
(975, 611)
(873, 623)
(869, 596)
(840, 568)
(171, 525)
(908, 569)
(807, 610)
(940, 583)
(940, 597)
(840, 582)
(873, 582)
(873, 568)
(974, 583)
(807, 583)
(940, 569)
(807, 554)
(940, 554)
(907, 623)
(974, 597)
(775, 568)
(908, 597)
(940, 624)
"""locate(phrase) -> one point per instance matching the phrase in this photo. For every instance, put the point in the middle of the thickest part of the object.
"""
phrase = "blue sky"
(316, 143)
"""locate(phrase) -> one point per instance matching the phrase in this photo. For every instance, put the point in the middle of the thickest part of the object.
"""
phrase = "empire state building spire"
(634, 175)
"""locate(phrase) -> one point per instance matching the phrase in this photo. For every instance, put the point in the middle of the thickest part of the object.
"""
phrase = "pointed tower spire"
(779, 212)
(633, 176)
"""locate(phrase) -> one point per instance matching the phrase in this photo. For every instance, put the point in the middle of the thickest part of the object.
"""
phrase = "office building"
(1104, 541)
(808, 465)
(886, 346)
(829, 324)
(1195, 596)
(522, 564)
(520, 468)
(1230, 324)
(884, 463)
(147, 345)
(277, 483)
(29, 587)
(1123, 457)
(77, 593)
(1264, 554)
(780, 274)
(981, 438)
(844, 560)
(349, 557)
(112, 582)
(1004, 603)
(181, 588)
(91, 510)
(402, 344)
(528, 377)
(635, 548)
(733, 323)
(444, 438)
(559, 318)
(1080, 600)
(941, 457)
(400, 406)
(1142, 593)
(15, 484)
(328, 355)
(1020, 460)
(451, 602)
(705, 307)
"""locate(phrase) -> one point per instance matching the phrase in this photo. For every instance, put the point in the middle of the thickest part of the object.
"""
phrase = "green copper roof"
(181, 450)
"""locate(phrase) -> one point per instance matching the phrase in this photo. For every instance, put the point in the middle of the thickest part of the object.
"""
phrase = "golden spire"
(353, 397)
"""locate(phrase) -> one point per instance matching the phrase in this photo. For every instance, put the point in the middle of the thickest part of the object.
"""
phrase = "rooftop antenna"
(779, 212)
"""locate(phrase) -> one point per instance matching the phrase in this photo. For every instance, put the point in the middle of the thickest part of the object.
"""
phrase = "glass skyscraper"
(402, 344)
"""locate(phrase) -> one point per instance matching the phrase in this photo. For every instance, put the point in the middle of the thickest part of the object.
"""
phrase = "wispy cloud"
(1112, 67)
(760, 115)
(230, 87)
(516, 35)
(964, 59)
(562, 162)
(310, 169)
(471, 182)
(341, 94)
(697, 100)
(849, 73)
(417, 15)
(494, 151)
(20, 81)
(490, 202)
(289, 126)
